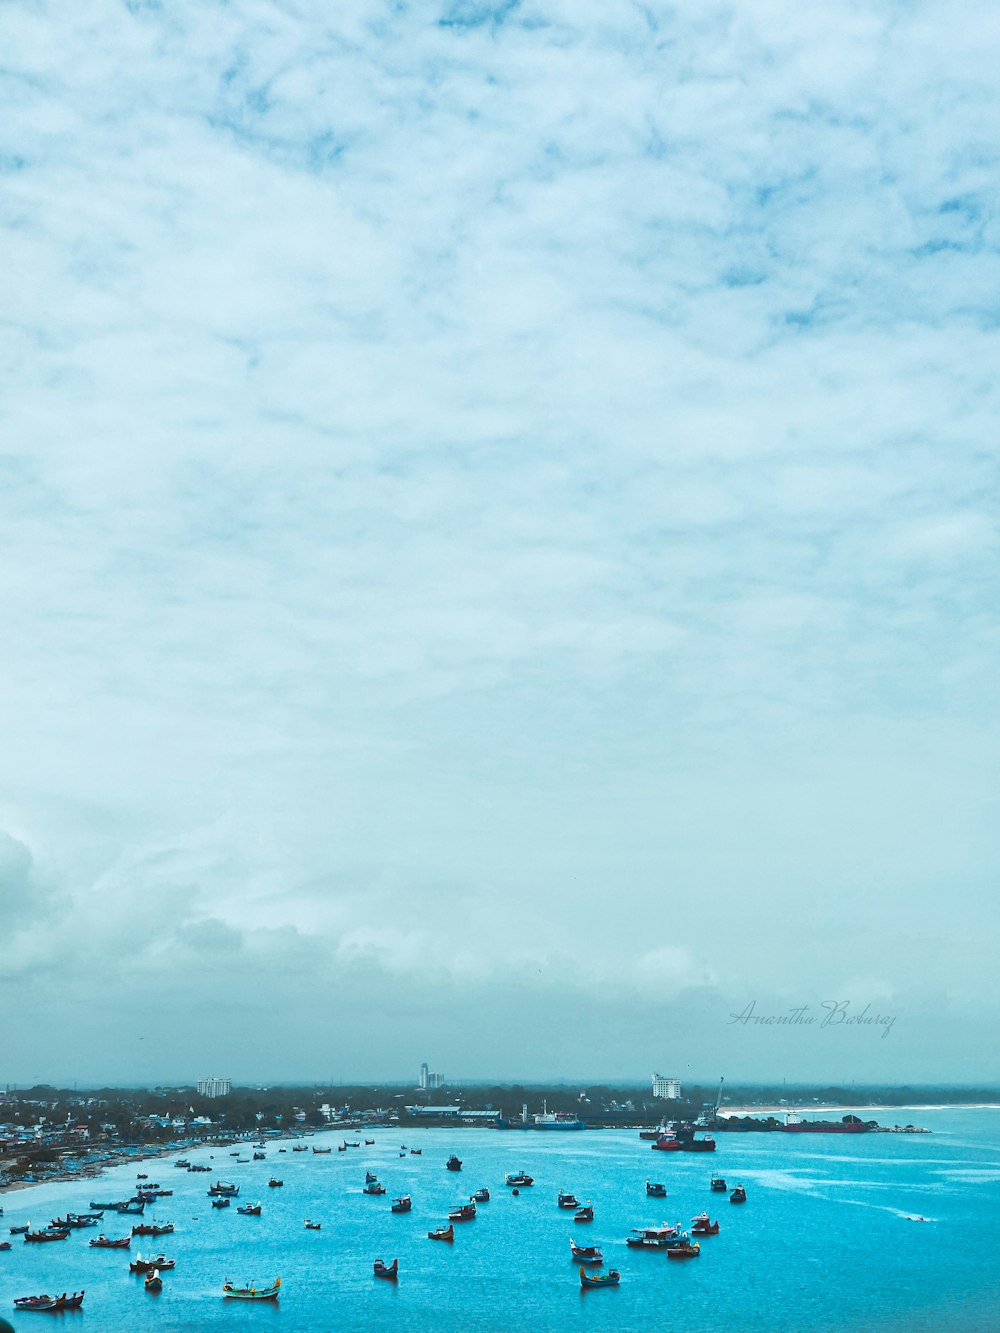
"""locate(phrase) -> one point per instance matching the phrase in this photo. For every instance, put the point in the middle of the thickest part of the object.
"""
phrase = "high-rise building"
(424, 1074)
(214, 1087)
(669, 1088)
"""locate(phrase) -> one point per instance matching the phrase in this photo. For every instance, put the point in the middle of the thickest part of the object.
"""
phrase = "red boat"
(41, 1237)
(667, 1143)
(382, 1270)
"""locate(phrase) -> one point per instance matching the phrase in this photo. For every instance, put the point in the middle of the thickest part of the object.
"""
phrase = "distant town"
(48, 1132)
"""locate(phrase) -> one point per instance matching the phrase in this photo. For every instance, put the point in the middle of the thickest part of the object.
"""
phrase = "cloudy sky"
(498, 537)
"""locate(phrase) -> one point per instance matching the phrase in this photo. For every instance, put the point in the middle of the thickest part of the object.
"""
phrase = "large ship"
(546, 1119)
(849, 1125)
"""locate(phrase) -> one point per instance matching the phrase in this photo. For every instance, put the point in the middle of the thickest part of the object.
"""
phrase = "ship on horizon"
(546, 1119)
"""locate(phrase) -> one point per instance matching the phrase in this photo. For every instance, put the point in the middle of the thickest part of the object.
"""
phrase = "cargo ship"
(558, 1120)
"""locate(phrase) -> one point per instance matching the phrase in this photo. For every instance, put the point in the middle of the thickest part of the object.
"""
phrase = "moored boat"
(43, 1237)
(373, 1187)
(106, 1243)
(275, 1184)
(739, 1195)
(655, 1190)
(381, 1269)
(249, 1293)
(518, 1178)
(140, 1265)
(701, 1226)
(612, 1278)
(684, 1248)
(312, 1226)
(462, 1212)
(586, 1254)
(402, 1205)
(454, 1163)
(585, 1213)
(21, 1230)
(667, 1143)
(249, 1209)
(651, 1238)
(45, 1302)
(718, 1185)
(480, 1196)
(73, 1302)
(153, 1229)
(442, 1233)
(224, 1187)
(223, 1201)
(153, 1282)
(568, 1200)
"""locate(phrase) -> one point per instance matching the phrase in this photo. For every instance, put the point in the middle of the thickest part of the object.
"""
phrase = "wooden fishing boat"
(442, 1233)
(402, 1205)
(249, 1210)
(21, 1230)
(73, 1302)
(454, 1163)
(223, 1201)
(684, 1248)
(370, 1177)
(153, 1282)
(416, 1152)
(224, 1187)
(584, 1214)
(260, 1157)
(373, 1187)
(4, 1244)
(274, 1184)
(369, 1143)
(651, 1238)
(35, 1303)
(131, 1206)
(312, 1226)
(718, 1185)
(518, 1178)
(248, 1293)
(739, 1195)
(462, 1212)
(107, 1207)
(480, 1196)
(390, 1271)
(568, 1200)
(704, 1228)
(655, 1190)
(320, 1152)
(140, 1265)
(43, 1237)
(612, 1278)
(586, 1254)
(157, 1228)
(105, 1243)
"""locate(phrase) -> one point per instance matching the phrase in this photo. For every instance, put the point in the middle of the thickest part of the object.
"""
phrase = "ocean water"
(823, 1244)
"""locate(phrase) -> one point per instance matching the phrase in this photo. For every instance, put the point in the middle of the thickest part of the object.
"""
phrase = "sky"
(498, 539)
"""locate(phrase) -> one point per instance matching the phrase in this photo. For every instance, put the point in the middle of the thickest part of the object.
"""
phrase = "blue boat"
(611, 1278)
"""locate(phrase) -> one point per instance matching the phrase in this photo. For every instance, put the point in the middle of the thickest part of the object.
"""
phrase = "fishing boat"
(568, 1200)
(182, 1161)
(224, 1187)
(651, 1238)
(390, 1271)
(143, 1175)
(373, 1187)
(480, 1196)
(249, 1209)
(584, 1213)
(321, 1151)
(442, 1233)
(248, 1293)
(414, 1152)
(612, 1278)
(73, 1302)
(689, 1143)
(739, 1195)
(684, 1248)
(106, 1207)
(72, 1222)
(300, 1147)
(462, 1212)
(161, 1262)
(312, 1226)
(703, 1226)
(4, 1245)
(260, 1157)
(667, 1143)
(718, 1185)
(369, 1143)
(223, 1201)
(36, 1303)
(402, 1205)
(153, 1282)
(275, 1184)
(518, 1178)
(370, 1177)
(131, 1207)
(454, 1163)
(105, 1243)
(43, 1237)
(348, 1143)
(586, 1254)
(153, 1229)
(655, 1190)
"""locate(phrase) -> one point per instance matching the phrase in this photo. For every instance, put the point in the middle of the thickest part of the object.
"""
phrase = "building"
(429, 1080)
(214, 1087)
(668, 1088)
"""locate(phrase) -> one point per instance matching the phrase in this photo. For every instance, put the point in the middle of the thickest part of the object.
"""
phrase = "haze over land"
(498, 509)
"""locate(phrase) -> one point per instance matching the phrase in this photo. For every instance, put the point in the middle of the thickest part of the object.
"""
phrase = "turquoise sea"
(823, 1244)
